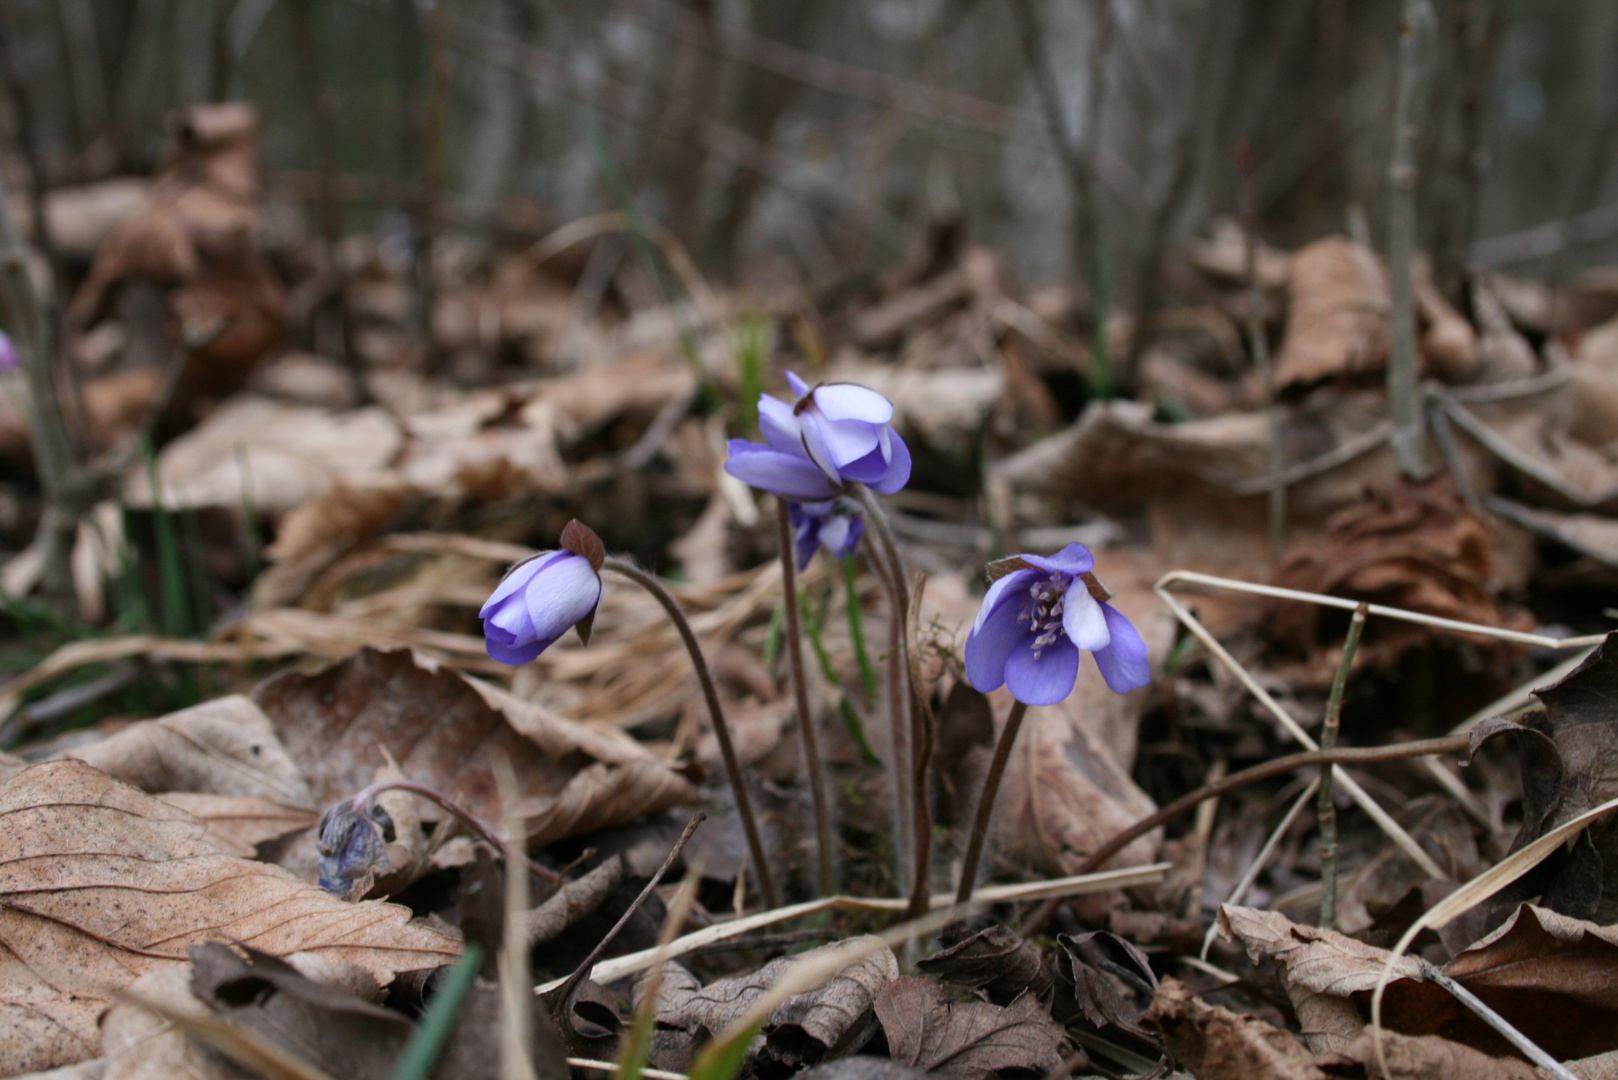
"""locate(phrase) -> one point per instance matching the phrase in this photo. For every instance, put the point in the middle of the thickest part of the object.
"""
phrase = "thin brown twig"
(1326, 807)
(1308, 759)
(716, 714)
(561, 999)
(800, 692)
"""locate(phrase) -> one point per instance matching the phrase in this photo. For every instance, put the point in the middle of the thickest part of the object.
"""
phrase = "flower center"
(1042, 611)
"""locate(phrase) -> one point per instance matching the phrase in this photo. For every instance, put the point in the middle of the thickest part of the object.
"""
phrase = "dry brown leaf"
(140, 1045)
(1337, 321)
(1376, 887)
(1550, 976)
(1415, 547)
(965, 1040)
(441, 727)
(100, 883)
(1319, 969)
(1594, 374)
(222, 747)
(269, 454)
(994, 960)
(1064, 795)
(239, 823)
(830, 1020)
(1213, 1043)
(1569, 765)
(1430, 1057)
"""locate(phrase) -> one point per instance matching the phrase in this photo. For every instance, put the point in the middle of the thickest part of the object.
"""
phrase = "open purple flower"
(1036, 617)
(831, 524)
(838, 432)
(541, 598)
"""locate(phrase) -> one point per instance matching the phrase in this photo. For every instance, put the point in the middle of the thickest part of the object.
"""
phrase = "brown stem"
(1308, 759)
(561, 999)
(1326, 809)
(923, 729)
(716, 713)
(800, 692)
(362, 802)
(991, 787)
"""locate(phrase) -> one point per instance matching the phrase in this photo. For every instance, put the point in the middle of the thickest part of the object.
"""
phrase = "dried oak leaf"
(969, 1040)
(1213, 1043)
(1569, 752)
(100, 883)
(833, 1019)
(441, 728)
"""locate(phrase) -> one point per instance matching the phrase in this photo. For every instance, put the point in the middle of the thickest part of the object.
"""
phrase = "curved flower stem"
(710, 693)
(800, 691)
(899, 732)
(362, 802)
(991, 787)
(916, 736)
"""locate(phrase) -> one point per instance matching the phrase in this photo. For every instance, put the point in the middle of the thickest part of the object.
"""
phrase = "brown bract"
(100, 883)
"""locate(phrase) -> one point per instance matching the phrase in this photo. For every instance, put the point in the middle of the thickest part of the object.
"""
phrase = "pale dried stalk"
(619, 967)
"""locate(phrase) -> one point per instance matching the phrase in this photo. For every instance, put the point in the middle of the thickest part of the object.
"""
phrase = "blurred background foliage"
(827, 133)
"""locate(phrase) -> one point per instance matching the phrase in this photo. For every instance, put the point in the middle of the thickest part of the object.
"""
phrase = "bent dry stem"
(800, 691)
(362, 803)
(716, 713)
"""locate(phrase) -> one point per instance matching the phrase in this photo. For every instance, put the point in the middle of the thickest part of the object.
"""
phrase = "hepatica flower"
(541, 598)
(831, 524)
(8, 353)
(832, 435)
(1036, 617)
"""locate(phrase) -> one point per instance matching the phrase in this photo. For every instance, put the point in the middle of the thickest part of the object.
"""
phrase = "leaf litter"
(168, 854)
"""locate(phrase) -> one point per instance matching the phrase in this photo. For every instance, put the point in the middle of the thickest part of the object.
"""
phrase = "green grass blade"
(416, 1061)
(856, 628)
(171, 575)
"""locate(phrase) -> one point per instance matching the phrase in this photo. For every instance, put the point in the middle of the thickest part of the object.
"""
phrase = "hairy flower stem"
(910, 727)
(800, 693)
(991, 787)
(362, 803)
(716, 713)
(1326, 808)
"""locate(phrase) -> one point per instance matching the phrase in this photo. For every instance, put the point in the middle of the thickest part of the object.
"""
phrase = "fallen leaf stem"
(716, 713)
(362, 803)
(800, 692)
(1308, 759)
(1326, 808)
(991, 787)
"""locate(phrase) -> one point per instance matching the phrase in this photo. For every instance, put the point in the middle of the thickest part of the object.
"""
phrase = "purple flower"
(1036, 617)
(349, 843)
(8, 353)
(542, 597)
(831, 524)
(832, 435)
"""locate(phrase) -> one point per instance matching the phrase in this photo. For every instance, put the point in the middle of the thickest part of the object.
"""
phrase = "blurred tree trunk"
(760, 100)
